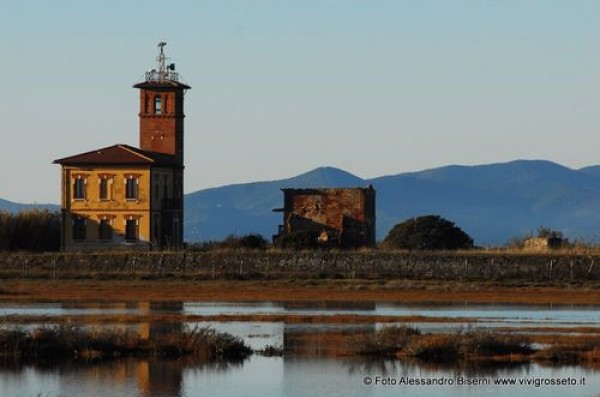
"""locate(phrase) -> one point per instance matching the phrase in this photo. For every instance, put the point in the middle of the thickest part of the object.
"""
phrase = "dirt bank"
(298, 290)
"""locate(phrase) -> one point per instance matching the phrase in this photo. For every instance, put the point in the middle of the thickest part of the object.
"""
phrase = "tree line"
(30, 230)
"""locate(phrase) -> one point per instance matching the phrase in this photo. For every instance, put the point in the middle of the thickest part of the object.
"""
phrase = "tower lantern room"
(161, 108)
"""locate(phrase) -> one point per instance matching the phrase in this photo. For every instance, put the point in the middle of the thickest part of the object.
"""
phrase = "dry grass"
(68, 342)
(384, 343)
(477, 346)
(458, 346)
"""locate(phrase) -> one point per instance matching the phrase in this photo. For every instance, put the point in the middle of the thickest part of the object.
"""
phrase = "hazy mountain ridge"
(11, 206)
(492, 202)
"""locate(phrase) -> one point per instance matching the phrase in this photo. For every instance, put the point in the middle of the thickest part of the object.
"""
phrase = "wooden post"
(571, 270)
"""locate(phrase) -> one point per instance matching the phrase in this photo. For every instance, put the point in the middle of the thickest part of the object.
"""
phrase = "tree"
(429, 232)
(546, 232)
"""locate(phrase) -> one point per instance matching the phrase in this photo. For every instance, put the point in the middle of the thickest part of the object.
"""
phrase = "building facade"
(342, 217)
(122, 196)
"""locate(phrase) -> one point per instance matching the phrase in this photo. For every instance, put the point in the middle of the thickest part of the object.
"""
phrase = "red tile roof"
(119, 155)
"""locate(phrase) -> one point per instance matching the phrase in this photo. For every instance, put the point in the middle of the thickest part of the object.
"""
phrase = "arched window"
(157, 105)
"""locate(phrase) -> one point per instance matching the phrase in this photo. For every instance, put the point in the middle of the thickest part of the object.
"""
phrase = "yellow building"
(121, 196)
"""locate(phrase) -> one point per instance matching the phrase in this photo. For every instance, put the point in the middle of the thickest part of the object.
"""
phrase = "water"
(486, 315)
(293, 376)
(288, 377)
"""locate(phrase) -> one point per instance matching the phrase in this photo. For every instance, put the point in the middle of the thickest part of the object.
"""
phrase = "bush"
(430, 232)
(246, 242)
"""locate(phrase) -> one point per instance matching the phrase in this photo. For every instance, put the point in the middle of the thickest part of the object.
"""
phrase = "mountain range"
(11, 206)
(493, 203)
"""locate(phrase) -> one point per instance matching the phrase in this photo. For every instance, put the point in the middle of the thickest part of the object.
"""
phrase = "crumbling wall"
(334, 217)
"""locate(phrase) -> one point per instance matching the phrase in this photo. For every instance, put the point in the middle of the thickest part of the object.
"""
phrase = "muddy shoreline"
(14, 290)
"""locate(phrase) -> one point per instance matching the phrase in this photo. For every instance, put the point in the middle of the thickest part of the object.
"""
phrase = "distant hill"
(213, 214)
(10, 206)
(493, 203)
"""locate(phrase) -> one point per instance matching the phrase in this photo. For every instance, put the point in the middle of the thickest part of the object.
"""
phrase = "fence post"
(571, 270)
(268, 265)
(133, 266)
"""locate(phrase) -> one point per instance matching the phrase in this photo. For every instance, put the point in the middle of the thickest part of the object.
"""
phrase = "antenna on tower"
(163, 72)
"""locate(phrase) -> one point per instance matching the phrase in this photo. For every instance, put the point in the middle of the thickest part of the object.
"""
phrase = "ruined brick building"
(342, 217)
(122, 196)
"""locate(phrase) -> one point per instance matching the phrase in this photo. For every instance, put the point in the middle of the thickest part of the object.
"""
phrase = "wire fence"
(249, 265)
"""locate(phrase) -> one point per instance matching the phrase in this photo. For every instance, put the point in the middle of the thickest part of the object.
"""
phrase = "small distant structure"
(327, 217)
(541, 244)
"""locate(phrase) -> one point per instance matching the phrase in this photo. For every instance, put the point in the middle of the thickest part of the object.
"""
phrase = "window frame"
(79, 229)
(158, 105)
(132, 226)
(132, 191)
(105, 229)
(79, 188)
(104, 188)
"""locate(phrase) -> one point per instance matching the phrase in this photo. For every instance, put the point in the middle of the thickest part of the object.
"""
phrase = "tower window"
(79, 228)
(131, 188)
(158, 105)
(79, 188)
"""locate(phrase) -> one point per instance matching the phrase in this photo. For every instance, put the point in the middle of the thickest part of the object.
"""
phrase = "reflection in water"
(120, 377)
(275, 377)
(513, 315)
(306, 369)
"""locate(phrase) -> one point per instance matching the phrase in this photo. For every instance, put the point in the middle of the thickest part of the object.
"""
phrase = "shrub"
(430, 232)
(251, 241)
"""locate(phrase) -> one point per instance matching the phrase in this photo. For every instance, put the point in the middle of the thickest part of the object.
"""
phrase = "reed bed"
(474, 345)
(66, 342)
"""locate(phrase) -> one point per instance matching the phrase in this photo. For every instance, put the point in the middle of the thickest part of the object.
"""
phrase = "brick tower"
(161, 109)
(125, 197)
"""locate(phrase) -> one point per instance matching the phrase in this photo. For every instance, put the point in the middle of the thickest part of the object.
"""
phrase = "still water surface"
(301, 376)
(519, 315)
(288, 377)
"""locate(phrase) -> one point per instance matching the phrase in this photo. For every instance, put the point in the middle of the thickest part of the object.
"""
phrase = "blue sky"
(280, 87)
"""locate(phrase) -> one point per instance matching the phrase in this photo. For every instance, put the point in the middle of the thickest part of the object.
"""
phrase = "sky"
(280, 87)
